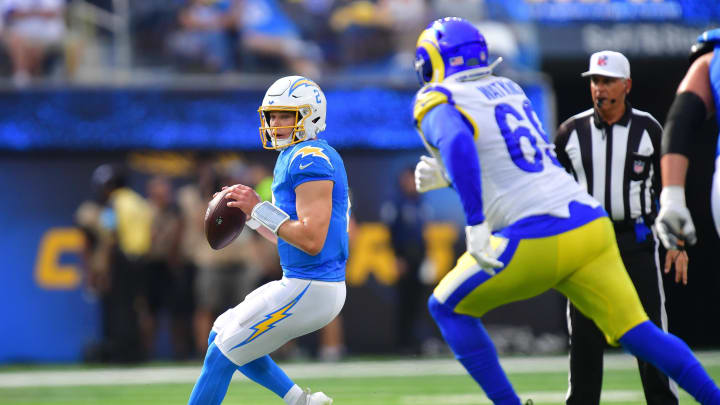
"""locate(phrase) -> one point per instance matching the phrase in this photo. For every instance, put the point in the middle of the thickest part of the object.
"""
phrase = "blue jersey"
(312, 161)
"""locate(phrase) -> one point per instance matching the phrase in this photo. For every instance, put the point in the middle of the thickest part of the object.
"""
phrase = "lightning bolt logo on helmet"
(300, 97)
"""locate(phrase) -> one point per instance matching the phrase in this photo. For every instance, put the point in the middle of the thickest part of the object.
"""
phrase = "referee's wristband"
(267, 215)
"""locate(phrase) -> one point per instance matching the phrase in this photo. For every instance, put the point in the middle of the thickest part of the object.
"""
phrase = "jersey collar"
(624, 120)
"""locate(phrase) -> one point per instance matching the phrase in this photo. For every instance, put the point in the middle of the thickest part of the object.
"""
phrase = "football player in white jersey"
(530, 226)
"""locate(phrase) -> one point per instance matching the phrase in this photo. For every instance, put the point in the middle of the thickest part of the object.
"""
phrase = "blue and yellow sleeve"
(445, 128)
(310, 163)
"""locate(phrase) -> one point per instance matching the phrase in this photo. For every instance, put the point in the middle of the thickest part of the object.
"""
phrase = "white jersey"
(521, 176)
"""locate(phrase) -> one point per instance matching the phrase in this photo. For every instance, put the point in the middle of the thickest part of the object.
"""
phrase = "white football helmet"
(298, 94)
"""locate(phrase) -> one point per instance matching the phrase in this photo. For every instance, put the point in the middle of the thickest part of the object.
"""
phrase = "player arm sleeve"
(685, 118)
(447, 130)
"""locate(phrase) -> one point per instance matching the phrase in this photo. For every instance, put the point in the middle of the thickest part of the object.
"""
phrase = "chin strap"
(267, 215)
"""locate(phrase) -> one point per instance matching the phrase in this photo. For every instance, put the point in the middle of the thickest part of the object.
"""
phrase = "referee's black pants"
(587, 342)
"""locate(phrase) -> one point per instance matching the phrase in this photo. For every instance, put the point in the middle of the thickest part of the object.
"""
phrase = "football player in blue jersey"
(308, 220)
(530, 226)
(694, 103)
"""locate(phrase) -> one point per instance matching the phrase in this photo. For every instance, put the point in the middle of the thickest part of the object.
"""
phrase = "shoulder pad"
(705, 43)
(310, 151)
(429, 97)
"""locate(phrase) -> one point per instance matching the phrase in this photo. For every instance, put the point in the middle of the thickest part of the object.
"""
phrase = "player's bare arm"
(314, 207)
(697, 80)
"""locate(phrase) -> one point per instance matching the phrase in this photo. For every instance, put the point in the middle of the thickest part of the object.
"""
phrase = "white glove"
(478, 245)
(674, 223)
(429, 175)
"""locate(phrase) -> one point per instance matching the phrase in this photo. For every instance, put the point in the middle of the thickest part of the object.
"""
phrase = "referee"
(614, 150)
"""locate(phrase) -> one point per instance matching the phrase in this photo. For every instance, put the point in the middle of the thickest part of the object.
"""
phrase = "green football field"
(385, 382)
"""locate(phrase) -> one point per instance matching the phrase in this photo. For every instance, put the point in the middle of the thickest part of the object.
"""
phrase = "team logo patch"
(638, 166)
(602, 61)
(310, 151)
(271, 320)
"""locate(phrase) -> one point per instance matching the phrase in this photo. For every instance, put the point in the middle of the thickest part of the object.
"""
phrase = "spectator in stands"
(168, 283)
(33, 32)
(204, 36)
(362, 29)
(379, 34)
(272, 38)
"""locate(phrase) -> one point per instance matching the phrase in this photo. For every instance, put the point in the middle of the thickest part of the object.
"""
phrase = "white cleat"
(317, 398)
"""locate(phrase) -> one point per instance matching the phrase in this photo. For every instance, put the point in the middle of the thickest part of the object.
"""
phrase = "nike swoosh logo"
(304, 166)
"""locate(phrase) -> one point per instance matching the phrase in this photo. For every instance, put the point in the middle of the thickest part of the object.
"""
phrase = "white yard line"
(549, 397)
(354, 369)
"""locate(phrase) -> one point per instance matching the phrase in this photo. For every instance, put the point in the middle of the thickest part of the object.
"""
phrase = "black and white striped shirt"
(618, 164)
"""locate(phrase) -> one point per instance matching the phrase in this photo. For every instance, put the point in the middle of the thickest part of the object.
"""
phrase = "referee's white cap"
(608, 63)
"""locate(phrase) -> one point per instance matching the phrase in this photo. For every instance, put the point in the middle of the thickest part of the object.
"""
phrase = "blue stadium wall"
(50, 141)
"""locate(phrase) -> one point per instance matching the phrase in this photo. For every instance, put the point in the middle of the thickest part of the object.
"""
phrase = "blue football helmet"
(448, 46)
(705, 43)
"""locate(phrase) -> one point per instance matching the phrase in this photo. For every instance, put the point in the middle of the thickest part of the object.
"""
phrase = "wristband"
(672, 194)
(267, 215)
(252, 224)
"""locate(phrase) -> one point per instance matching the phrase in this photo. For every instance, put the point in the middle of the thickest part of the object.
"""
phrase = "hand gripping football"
(222, 223)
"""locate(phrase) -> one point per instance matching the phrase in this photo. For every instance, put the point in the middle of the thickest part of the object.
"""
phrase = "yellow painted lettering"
(371, 254)
(49, 273)
(439, 240)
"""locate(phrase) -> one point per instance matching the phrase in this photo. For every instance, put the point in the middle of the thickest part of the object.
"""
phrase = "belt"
(624, 226)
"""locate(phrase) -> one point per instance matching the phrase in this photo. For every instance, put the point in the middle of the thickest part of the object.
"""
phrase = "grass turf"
(621, 387)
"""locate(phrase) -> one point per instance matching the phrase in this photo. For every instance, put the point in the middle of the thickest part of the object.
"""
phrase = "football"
(222, 223)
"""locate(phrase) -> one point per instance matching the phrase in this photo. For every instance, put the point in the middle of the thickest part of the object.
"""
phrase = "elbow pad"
(685, 118)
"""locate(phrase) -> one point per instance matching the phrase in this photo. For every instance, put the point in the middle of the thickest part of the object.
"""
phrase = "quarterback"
(530, 226)
(308, 220)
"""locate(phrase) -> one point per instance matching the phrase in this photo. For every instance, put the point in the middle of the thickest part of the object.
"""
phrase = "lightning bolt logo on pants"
(271, 320)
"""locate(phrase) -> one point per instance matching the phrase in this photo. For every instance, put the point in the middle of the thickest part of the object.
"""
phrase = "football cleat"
(316, 398)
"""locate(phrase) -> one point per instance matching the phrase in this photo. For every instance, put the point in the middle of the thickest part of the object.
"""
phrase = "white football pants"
(275, 313)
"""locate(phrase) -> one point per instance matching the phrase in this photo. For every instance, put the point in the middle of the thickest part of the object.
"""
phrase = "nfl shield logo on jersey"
(638, 166)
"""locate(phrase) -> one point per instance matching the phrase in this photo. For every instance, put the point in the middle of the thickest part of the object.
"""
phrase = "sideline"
(351, 369)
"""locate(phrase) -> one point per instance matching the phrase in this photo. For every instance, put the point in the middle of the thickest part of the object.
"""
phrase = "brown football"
(222, 223)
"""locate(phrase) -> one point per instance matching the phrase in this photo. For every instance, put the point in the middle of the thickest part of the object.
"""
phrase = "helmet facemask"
(269, 134)
(300, 97)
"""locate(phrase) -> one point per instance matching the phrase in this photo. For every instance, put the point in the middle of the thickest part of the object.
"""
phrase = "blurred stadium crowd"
(71, 39)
